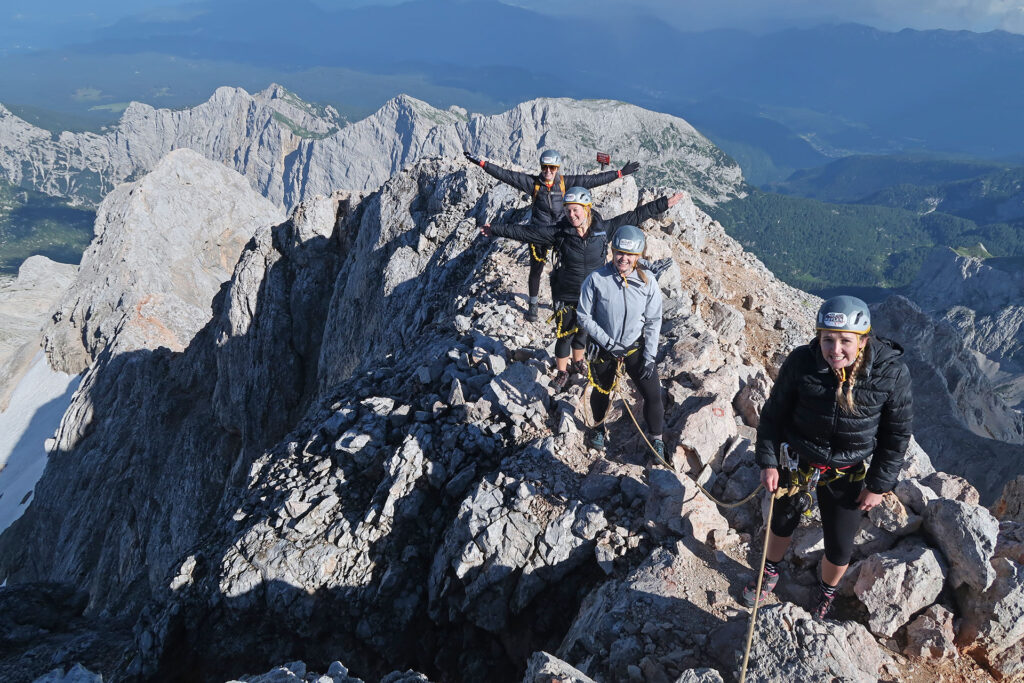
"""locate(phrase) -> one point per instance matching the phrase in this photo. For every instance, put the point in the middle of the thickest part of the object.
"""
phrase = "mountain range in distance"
(776, 102)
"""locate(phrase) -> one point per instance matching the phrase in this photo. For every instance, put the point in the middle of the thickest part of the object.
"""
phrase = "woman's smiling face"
(840, 349)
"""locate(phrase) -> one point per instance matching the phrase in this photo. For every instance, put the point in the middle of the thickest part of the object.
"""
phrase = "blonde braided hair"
(844, 392)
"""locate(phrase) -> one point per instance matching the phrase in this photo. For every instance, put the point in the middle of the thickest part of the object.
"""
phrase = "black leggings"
(536, 269)
(565, 320)
(603, 371)
(840, 517)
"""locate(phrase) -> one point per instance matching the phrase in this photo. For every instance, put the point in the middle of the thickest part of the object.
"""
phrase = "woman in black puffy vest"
(841, 402)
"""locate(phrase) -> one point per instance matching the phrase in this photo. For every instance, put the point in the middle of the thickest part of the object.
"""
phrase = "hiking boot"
(659, 448)
(560, 380)
(532, 313)
(579, 367)
(596, 440)
(768, 584)
(825, 600)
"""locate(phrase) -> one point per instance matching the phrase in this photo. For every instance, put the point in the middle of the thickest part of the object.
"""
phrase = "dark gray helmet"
(577, 195)
(629, 239)
(550, 157)
(844, 314)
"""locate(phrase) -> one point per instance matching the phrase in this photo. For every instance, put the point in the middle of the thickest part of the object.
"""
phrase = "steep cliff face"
(960, 420)
(984, 301)
(359, 457)
(290, 151)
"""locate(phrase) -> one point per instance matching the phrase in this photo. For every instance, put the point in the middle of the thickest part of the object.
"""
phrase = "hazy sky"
(28, 24)
(973, 15)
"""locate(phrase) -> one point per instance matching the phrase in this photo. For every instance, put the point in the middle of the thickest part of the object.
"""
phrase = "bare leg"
(832, 573)
(562, 364)
(577, 354)
(777, 546)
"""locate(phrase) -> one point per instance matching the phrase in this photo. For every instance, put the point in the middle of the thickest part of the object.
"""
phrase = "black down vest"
(802, 410)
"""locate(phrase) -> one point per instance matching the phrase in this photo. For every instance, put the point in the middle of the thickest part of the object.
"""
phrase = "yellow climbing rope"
(559, 316)
(537, 257)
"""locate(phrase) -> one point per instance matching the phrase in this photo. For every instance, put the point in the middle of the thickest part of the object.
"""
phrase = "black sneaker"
(825, 601)
(533, 312)
(768, 584)
(659, 448)
(596, 440)
(560, 380)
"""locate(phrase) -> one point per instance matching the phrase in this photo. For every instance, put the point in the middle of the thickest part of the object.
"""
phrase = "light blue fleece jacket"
(615, 312)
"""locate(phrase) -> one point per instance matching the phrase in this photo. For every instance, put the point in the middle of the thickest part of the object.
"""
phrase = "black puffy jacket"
(548, 201)
(802, 410)
(578, 256)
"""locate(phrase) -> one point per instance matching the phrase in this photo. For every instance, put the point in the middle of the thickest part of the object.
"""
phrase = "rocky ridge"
(290, 150)
(25, 302)
(984, 300)
(359, 458)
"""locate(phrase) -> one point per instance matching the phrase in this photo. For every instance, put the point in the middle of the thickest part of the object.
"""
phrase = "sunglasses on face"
(549, 168)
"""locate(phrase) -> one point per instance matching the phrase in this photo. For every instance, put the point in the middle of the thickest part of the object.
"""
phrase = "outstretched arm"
(598, 179)
(518, 180)
(645, 211)
(540, 235)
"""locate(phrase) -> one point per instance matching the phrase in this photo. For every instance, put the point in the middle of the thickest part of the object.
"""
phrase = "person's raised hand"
(675, 199)
(485, 229)
(630, 167)
(472, 159)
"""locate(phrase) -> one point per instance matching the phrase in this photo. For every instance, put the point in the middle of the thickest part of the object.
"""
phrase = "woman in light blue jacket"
(620, 308)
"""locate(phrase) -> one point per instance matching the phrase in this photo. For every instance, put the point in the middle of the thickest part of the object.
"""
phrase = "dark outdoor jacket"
(578, 256)
(802, 410)
(547, 203)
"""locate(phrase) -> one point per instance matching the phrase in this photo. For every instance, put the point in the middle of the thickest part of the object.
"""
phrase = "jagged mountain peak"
(290, 150)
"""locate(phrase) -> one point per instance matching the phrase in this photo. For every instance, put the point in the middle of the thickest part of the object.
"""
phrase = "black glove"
(472, 159)
(630, 167)
(648, 371)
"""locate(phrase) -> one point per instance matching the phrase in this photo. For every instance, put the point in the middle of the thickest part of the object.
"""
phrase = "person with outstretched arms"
(580, 239)
(548, 192)
(620, 309)
(836, 426)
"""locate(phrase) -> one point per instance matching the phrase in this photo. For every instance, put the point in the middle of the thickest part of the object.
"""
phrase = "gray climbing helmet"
(577, 195)
(629, 239)
(550, 157)
(844, 314)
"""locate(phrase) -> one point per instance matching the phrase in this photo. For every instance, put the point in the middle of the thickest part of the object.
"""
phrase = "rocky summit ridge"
(290, 150)
(351, 460)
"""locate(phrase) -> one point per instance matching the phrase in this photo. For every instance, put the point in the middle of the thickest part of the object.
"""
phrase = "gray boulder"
(993, 620)
(544, 668)
(967, 536)
(931, 635)
(1010, 505)
(898, 583)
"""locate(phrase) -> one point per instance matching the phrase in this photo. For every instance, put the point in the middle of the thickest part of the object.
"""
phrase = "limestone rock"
(931, 635)
(967, 535)
(676, 504)
(952, 487)
(545, 668)
(994, 620)
(788, 639)
(956, 408)
(1010, 505)
(137, 289)
(291, 152)
(896, 584)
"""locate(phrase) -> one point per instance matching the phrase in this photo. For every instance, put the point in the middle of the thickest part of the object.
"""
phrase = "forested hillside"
(34, 223)
(817, 245)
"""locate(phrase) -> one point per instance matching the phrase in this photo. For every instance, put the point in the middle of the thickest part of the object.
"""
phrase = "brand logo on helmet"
(628, 245)
(834, 319)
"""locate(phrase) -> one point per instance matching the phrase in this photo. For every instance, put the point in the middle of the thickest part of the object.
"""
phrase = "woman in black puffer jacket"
(838, 401)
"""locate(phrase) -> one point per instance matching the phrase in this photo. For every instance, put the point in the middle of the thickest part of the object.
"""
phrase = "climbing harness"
(537, 256)
(559, 317)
